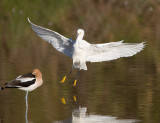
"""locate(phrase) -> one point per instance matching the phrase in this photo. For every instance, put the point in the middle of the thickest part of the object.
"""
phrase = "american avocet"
(27, 82)
(81, 51)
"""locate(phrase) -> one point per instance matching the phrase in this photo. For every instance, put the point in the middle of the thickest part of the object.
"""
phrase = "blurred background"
(126, 88)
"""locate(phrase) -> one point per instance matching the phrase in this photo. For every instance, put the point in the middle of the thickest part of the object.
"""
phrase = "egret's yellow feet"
(75, 99)
(63, 80)
(75, 83)
(63, 100)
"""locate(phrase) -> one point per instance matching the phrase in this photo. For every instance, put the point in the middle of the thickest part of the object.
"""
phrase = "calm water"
(125, 90)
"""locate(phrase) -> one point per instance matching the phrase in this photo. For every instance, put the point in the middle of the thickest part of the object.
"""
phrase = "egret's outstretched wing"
(58, 41)
(113, 50)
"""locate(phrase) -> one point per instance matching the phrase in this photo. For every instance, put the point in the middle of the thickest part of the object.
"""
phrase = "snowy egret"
(81, 51)
(26, 82)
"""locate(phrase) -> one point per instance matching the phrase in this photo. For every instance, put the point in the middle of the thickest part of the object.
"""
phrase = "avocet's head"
(37, 72)
(80, 34)
(38, 76)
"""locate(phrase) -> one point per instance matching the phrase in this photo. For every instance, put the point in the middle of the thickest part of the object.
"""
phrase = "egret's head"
(80, 31)
(80, 34)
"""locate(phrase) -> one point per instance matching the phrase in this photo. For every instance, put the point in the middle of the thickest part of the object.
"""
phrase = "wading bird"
(27, 82)
(81, 51)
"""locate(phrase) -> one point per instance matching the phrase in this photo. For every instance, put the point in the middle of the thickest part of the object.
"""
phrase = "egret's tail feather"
(83, 66)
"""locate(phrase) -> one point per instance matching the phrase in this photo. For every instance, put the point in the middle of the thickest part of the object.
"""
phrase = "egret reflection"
(80, 116)
(75, 98)
(69, 103)
(63, 100)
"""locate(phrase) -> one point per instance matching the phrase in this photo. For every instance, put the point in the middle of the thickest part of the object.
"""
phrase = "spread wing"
(113, 50)
(58, 41)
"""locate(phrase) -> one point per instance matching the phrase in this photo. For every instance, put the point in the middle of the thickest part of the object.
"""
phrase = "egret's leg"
(64, 78)
(75, 81)
(26, 107)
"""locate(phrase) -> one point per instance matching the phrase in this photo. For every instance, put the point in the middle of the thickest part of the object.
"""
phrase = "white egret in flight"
(81, 51)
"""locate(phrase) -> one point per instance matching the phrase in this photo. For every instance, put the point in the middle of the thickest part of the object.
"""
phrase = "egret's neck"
(79, 37)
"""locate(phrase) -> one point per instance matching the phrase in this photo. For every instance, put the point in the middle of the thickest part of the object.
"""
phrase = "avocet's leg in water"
(75, 81)
(64, 78)
(26, 107)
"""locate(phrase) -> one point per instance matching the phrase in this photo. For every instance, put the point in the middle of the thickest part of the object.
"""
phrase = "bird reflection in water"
(79, 115)
(68, 104)
(63, 100)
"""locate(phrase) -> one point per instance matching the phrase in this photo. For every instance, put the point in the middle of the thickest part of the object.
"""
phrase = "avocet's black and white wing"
(113, 50)
(58, 41)
(25, 80)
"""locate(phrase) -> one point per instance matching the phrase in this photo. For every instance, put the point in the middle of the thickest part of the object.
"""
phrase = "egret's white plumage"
(59, 42)
(81, 51)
